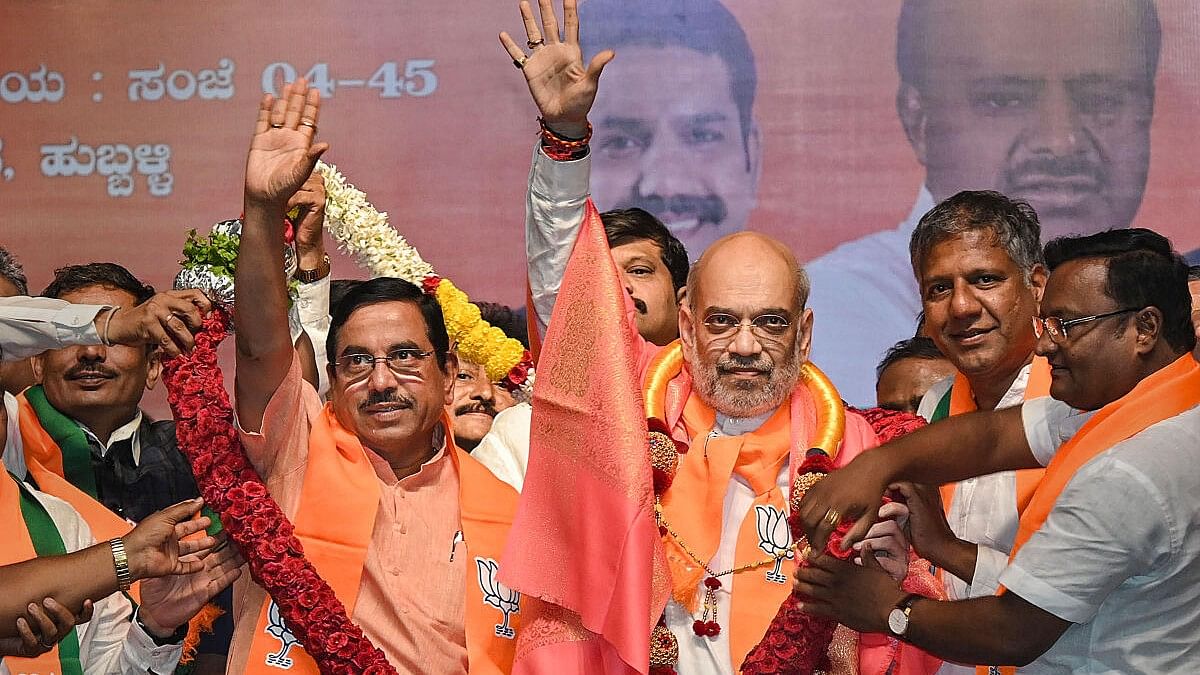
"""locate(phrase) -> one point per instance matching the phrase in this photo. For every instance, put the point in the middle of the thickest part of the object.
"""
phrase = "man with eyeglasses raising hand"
(385, 504)
(1104, 574)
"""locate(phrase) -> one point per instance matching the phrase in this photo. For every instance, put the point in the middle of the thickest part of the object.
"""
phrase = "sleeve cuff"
(147, 656)
(560, 181)
(313, 302)
(74, 324)
(1046, 597)
(989, 563)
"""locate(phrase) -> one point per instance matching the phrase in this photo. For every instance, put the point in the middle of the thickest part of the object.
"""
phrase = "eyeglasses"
(399, 361)
(764, 326)
(1056, 328)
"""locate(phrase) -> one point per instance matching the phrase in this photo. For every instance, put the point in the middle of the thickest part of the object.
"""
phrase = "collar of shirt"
(736, 426)
(125, 432)
(1016, 393)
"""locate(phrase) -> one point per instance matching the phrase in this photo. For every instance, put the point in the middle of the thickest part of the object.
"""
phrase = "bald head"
(745, 259)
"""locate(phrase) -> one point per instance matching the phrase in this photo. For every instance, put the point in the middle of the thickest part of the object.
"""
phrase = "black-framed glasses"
(764, 326)
(399, 361)
(1057, 328)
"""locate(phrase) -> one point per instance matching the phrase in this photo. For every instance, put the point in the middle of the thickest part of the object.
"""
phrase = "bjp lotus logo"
(498, 595)
(774, 538)
(277, 629)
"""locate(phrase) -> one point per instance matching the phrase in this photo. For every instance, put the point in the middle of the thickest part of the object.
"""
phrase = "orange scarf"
(1164, 394)
(18, 547)
(335, 519)
(694, 504)
(44, 460)
(962, 400)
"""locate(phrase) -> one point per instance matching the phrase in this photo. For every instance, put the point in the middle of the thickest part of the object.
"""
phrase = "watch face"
(898, 621)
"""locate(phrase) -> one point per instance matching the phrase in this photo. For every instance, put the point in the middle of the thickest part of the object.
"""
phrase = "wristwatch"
(898, 618)
(310, 276)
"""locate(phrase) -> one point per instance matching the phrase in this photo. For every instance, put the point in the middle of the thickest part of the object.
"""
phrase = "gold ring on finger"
(520, 63)
(310, 124)
(833, 517)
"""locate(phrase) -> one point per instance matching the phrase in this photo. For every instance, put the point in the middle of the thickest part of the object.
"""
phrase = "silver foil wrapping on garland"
(219, 287)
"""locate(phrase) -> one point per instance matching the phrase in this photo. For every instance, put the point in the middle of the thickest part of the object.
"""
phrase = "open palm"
(282, 152)
(561, 86)
(172, 601)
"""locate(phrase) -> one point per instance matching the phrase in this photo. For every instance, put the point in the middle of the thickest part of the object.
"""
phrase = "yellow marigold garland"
(364, 232)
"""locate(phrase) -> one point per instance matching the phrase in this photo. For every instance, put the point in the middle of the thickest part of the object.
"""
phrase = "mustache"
(476, 407)
(88, 370)
(733, 362)
(640, 305)
(1055, 167)
(704, 208)
(388, 396)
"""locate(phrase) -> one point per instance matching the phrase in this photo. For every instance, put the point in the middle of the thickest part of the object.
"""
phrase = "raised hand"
(282, 153)
(562, 87)
(169, 602)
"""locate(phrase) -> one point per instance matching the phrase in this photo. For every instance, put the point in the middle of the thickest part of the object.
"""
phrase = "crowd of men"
(1049, 500)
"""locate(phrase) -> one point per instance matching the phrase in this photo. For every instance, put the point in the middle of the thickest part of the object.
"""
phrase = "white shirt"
(30, 326)
(312, 307)
(1119, 555)
(505, 448)
(14, 451)
(111, 643)
(864, 299)
(983, 512)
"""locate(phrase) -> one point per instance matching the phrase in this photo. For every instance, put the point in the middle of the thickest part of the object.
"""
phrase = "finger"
(549, 22)
(817, 608)
(264, 113)
(314, 154)
(531, 28)
(598, 62)
(62, 617)
(86, 614)
(571, 21)
(893, 511)
(295, 104)
(279, 106)
(28, 640)
(184, 567)
(177, 329)
(809, 591)
(157, 335)
(869, 561)
(180, 513)
(42, 624)
(311, 113)
(817, 576)
(190, 527)
(514, 52)
(859, 531)
(189, 306)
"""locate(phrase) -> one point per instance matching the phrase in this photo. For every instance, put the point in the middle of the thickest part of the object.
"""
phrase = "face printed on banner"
(744, 333)
(387, 408)
(86, 382)
(978, 306)
(1048, 102)
(674, 145)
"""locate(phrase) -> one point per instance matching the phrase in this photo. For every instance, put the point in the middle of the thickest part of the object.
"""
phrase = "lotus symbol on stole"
(277, 629)
(498, 595)
(774, 538)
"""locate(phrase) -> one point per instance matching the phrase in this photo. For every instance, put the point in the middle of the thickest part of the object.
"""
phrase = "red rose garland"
(231, 486)
(797, 643)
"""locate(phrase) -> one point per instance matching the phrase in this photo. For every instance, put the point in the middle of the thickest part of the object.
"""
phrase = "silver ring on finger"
(276, 125)
(534, 44)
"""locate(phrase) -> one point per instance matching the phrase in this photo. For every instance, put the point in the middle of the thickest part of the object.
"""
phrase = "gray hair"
(11, 270)
(1014, 223)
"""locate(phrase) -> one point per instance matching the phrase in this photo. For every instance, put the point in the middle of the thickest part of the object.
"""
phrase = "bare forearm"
(69, 579)
(958, 557)
(1000, 630)
(264, 346)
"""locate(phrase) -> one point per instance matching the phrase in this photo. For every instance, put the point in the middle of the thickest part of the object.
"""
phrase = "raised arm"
(954, 449)
(563, 90)
(282, 156)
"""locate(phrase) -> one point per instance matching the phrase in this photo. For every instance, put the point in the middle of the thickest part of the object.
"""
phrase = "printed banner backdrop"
(124, 124)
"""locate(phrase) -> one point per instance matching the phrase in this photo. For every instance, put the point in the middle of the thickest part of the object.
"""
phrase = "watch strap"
(312, 276)
(175, 638)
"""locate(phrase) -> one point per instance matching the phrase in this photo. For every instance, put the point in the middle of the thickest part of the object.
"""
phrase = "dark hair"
(913, 40)
(338, 288)
(1013, 222)
(387, 289)
(919, 347)
(1194, 273)
(11, 270)
(705, 26)
(625, 226)
(507, 319)
(1143, 271)
(76, 277)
